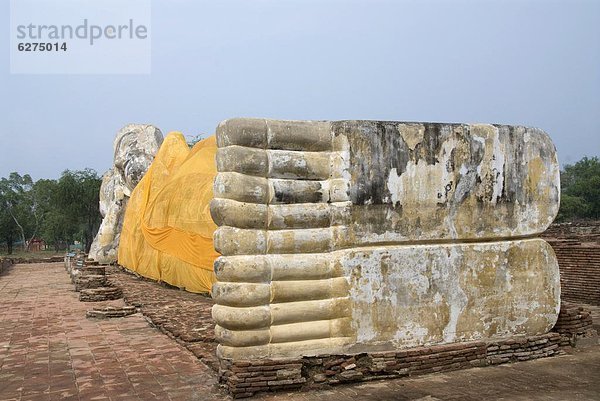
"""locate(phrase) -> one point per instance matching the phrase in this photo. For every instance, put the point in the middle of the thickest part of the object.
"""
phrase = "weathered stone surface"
(89, 281)
(452, 292)
(100, 294)
(134, 149)
(78, 271)
(113, 201)
(87, 270)
(108, 312)
(413, 182)
(366, 235)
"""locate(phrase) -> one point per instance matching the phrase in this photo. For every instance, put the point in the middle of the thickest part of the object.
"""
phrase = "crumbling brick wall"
(579, 271)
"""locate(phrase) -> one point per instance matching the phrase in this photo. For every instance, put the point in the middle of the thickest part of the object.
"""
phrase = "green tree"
(59, 211)
(580, 183)
(8, 229)
(78, 194)
(16, 197)
(55, 228)
(571, 208)
(58, 229)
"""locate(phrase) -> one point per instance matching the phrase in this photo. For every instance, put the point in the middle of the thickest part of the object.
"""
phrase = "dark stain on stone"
(287, 197)
(373, 217)
(430, 147)
(377, 147)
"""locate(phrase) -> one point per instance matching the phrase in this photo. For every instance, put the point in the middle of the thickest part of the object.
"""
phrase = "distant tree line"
(58, 211)
(580, 190)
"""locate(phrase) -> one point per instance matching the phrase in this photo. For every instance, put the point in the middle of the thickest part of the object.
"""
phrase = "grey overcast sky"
(533, 63)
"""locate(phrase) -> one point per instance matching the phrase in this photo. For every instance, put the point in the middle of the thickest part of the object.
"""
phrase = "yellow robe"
(167, 232)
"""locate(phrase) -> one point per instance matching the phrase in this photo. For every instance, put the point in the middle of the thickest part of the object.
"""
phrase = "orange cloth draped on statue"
(167, 231)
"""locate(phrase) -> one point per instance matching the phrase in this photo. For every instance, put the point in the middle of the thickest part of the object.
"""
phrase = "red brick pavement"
(49, 350)
(182, 315)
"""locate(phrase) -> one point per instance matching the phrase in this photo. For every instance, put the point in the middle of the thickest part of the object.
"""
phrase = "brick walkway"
(182, 315)
(50, 351)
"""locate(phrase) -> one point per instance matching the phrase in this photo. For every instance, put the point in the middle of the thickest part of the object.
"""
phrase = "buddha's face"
(134, 152)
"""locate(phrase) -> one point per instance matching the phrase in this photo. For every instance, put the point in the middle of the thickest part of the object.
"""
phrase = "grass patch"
(19, 253)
